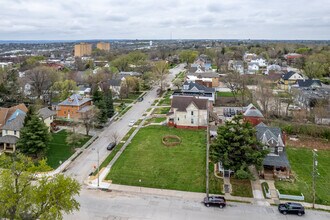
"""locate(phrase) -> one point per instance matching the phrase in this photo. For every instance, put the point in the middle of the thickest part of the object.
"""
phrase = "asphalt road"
(84, 164)
(117, 205)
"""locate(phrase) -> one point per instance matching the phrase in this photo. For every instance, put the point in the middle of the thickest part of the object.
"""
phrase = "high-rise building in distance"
(103, 46)
(82, 49)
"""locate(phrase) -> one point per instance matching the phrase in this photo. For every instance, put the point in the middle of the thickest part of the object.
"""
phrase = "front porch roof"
(9, 139)
(277, 161)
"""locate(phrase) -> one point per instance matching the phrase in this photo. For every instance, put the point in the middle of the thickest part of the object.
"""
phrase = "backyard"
(301, 161)
(59, 150)
(147, 162)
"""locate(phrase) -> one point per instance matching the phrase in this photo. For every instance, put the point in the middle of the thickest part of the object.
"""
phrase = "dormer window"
(185, 87)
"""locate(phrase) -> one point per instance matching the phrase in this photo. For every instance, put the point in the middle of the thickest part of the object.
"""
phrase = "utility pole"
(98, 167)
(314, 174)
(207, 153)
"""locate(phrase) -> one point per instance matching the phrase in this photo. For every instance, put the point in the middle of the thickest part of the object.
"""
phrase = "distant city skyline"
(177, 19)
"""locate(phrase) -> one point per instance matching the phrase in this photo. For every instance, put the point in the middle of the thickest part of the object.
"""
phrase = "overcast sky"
(157, 19)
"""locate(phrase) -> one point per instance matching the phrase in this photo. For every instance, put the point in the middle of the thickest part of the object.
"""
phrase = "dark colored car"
(140, 99)
(215, 201)
(111, 146)
(291, 208)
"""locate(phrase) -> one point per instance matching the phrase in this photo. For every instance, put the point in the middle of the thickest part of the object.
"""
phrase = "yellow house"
(288, 79)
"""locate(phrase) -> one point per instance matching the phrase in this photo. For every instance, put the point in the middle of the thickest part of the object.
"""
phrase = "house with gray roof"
(196, 90)
(252, 114)
(276, 163)
(188, 112)
(10, 131)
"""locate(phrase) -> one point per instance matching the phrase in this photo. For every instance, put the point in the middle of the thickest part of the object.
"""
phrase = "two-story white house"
(253, 68)
(188, 112)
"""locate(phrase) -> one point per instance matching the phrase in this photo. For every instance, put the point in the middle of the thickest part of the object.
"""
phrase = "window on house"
(280, 149)
(15, 132)
(6, 131)
(64, 112)
(272, 150)
(178, 119)
(192, 121)
(192, 113)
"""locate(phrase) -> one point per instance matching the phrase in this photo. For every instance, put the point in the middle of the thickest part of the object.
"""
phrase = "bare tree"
(264, 95)
(160, 71)
(42, 78)
(237, 84)
(115, 136)
(88, 119)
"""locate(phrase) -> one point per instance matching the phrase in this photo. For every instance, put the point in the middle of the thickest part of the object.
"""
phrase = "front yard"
(147, 162)
(301, 161)
(59, 150)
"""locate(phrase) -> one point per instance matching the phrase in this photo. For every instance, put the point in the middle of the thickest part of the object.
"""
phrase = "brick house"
(252, 115)
(72, 107)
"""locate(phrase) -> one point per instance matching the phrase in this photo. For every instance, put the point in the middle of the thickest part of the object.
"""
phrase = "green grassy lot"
(164, 110)
(59, 150)
(147, 162)
(155, 120)
(301, 162)
(241, 188)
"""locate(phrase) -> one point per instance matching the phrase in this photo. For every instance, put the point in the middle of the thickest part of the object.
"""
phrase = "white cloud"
(115, 19)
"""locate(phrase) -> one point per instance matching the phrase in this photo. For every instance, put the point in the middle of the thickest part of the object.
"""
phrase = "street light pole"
(98, 169)
(207, 153)
(314, 174)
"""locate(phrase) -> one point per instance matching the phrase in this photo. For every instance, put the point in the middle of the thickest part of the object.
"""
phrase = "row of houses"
(12, 120)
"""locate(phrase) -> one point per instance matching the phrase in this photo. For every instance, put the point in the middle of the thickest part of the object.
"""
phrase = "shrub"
(243, 174)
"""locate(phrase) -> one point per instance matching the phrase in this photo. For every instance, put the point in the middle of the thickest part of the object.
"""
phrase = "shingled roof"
(46, 113)
(252, 111)
(308, 82)
(15, 124)
(75, 100)
(198, 86)
(181, 103)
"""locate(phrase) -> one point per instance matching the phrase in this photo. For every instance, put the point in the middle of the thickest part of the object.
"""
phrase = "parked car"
(131, 123)
(140, 99)
(111, 146)
(219, 201)
(291, 208)
(294, 108)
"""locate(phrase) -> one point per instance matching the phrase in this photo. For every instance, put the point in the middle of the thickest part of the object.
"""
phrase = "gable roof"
(198, 86)
(6, 113)
(252, 111)
(75, 100)
(308, 82)
(181, 103)
(267, 134)
(46, 113)
(288, 75)
(114, 82)
(15, 124)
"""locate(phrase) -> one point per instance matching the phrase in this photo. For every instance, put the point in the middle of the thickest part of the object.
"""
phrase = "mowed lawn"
(147, 162)
(301, 161)
(59, 150)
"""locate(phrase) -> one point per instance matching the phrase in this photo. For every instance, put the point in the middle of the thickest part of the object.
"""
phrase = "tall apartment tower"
(82, 49)
(103, 46)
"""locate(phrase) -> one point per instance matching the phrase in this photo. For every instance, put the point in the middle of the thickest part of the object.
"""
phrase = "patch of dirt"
(308, 142)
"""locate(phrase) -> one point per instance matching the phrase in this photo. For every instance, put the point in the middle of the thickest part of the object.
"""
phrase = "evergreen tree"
(236, 146)
(30, 112)
(34, 137)
(109, 103)
(97, 95)
(102, 116)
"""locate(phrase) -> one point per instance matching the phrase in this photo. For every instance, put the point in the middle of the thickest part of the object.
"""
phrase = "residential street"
(117, 205)
(83, 165)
